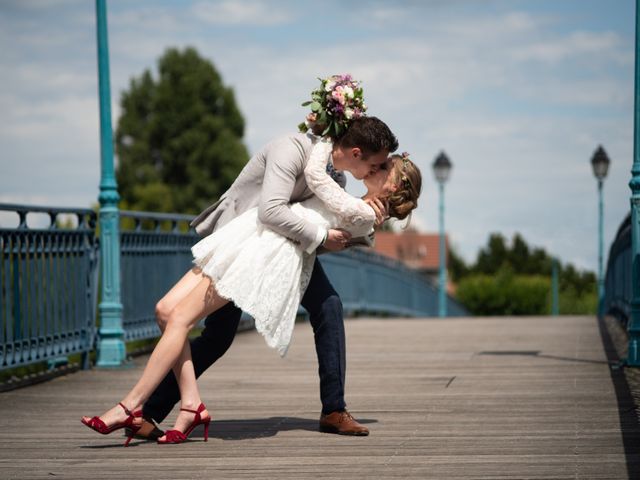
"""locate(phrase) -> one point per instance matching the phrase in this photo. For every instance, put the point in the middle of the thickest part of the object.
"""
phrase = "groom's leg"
(325, 314)
(216, 338)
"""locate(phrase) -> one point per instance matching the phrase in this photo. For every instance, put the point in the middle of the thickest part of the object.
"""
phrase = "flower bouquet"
(337, 101)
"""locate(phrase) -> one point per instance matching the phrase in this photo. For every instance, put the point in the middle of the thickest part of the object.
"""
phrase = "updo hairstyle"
(408, 179)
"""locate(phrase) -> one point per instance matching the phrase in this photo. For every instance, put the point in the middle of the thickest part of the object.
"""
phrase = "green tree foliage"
(179, 137)
(493, 257)
(516, 280)
(505, 293)
(456, 266)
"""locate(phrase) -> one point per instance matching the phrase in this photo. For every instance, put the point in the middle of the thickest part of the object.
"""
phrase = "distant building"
(419, 251)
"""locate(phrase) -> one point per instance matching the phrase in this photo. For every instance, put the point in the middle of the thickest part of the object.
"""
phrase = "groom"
(272, 180)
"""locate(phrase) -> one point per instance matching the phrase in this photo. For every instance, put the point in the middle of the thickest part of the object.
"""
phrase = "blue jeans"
(325, 314)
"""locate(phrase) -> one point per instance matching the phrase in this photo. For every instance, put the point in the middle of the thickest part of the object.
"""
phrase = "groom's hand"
(336, 240)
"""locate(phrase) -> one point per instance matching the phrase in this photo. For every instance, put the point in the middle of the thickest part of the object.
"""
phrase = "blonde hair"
(408, 179)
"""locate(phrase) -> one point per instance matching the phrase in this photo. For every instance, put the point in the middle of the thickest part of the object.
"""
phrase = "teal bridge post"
(442, 302)
(441, 170)
(111, 346)
(633, 355)
(600, 164)
(600, 248)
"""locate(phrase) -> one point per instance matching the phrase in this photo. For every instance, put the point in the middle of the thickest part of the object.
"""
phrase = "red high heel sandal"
(176, 436)
(99, 426)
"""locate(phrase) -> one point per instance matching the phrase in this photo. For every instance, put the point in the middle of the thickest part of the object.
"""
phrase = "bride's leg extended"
(183, 369)
(201, 300)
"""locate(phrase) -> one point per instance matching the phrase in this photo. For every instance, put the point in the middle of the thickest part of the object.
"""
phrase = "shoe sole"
(154, 435)
(327, 429)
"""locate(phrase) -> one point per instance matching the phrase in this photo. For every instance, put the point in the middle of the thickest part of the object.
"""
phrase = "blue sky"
(518, 93)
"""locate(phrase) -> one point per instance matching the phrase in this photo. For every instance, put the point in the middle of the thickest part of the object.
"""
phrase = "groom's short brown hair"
(369, 134)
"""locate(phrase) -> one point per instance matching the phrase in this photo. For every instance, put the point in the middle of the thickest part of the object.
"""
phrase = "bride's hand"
(380, 208)
(336, 240)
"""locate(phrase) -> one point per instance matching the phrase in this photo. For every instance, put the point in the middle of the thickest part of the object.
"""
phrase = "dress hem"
(224, 293)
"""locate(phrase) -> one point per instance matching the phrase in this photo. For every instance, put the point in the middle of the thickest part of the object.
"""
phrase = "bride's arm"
(352, 210)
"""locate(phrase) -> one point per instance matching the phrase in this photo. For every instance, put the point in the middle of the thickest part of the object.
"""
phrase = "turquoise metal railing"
(49, 278)
(155, 252)
(369, 283)
(47, 285)
(617, 283)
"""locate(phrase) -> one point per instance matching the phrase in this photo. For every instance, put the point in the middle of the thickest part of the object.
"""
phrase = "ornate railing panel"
(617, 285)
(156, 252)
(48, 279)
(370, 283)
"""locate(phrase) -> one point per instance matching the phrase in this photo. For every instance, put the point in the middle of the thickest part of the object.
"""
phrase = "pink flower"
(338, 95)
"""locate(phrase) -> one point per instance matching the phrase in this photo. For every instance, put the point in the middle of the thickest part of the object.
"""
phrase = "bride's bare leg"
(183, 369)
(189, 392)
(177, 293)
(198, 303)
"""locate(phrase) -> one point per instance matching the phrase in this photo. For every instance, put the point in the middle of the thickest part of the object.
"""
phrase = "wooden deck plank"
(455, 399)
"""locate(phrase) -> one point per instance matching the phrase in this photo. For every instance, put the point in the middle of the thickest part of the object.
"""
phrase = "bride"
(262, 272)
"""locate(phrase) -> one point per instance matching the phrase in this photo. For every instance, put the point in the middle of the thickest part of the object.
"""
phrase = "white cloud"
(230, 12)
(576, 44)
(160, 19)
(511, 110)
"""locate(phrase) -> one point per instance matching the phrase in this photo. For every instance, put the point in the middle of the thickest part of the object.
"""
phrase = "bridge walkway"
(462, 398)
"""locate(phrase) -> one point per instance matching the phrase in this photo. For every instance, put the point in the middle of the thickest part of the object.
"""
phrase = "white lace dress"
(266, 274)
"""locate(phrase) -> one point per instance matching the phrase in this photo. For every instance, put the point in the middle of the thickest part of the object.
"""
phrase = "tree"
(492, 258)
(179, 137)
(515, 280)
(456, 266)
(505, 293)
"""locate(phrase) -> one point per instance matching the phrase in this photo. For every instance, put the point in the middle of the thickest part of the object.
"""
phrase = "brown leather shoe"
(342, 423)
(148, 431)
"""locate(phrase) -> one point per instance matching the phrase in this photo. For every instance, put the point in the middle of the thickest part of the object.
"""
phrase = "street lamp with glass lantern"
(600, 163)
(441, 170)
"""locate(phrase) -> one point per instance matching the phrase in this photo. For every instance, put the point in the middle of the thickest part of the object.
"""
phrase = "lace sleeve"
(351, 210)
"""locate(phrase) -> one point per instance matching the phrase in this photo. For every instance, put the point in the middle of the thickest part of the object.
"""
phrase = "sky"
(518, 93)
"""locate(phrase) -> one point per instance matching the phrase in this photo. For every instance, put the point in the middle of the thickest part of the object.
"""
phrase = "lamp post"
(111, 348)
(600, 163)
(441, 170)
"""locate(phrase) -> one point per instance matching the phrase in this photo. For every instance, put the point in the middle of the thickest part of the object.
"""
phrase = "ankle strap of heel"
(126, 410)
(137, 413)
(201, 407)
